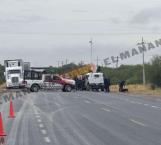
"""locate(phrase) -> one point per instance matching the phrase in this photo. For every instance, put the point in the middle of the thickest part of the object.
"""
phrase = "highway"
(83, 118)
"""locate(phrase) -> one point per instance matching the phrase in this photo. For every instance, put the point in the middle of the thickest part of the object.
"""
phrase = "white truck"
(14, 71)
(94, 81)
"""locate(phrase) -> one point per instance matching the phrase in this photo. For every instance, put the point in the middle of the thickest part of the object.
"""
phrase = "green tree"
(2, 79)
(154, 71)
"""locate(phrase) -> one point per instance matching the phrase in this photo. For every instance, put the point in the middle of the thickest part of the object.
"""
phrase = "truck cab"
(14, 73)
(95, 81)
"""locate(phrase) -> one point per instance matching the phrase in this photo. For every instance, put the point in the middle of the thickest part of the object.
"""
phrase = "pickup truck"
(34, 81)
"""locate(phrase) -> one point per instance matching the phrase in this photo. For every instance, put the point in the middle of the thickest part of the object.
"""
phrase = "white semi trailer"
(14, 73)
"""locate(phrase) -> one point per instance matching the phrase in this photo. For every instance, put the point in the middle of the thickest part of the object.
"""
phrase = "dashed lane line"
(41, 125)
(146, 104)
(86, 101)
(156, 107)
(104, 109)
(37, 116)
(43, 131)
(47, 139)
(57, 104)
(39, 120)
(138, 103)
(137, 122)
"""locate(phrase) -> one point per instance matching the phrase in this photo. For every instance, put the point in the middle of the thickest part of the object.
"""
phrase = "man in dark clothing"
(122, 87)
(76, 82)
(107, 84)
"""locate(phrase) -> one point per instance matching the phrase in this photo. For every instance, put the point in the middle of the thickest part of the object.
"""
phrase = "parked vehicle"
(14, 70)
(94, 81)
(58, 82)
(35, 81)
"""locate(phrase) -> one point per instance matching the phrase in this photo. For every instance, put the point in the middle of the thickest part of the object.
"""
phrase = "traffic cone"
(2, 132)
(11, 110)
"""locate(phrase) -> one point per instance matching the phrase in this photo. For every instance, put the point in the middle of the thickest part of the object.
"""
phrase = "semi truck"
(14, 70)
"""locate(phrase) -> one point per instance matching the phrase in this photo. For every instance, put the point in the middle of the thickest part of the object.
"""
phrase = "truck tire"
(102, 88)
(35, 88)
(68, 88)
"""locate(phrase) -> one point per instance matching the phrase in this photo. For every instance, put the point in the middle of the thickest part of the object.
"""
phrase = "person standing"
(107, 84)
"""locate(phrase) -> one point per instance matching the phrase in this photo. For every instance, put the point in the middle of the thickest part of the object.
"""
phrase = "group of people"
(82, 81)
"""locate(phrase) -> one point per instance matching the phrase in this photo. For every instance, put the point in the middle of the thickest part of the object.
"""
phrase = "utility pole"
(66, 61)
(144, 80)
(58, 63)
(97, 60)
(91, 57)
(143, 45)
(117, 61)
(62, 63)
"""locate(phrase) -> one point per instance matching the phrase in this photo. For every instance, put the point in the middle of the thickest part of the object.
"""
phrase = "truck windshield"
(14, 72)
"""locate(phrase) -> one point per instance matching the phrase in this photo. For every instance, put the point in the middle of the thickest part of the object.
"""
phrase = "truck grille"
(15, 80)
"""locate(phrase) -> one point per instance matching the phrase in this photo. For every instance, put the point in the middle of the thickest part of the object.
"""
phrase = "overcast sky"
(47, 31)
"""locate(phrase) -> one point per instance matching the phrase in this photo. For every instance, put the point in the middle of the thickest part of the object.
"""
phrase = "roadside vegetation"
(1, 74)
(132, 74)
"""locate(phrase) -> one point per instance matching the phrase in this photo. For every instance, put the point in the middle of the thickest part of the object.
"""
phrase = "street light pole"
(91, 58)
(143, 49)
(144, 79)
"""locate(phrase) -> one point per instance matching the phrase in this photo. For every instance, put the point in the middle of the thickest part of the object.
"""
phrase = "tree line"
(132, 74)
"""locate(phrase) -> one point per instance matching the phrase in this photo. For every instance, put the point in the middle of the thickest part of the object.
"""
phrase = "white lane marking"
(156, 107)
(41, 125)
(133, 102)
(146, 104)
(37, 116)
(138, 103)
(138, 123)
(86, 101)
(107, 110)
(47, 139)
(43, 131)
(36, 112)
(57, 104)
(39, 120)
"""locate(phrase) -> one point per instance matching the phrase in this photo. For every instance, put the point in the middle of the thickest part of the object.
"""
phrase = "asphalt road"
(83, 118)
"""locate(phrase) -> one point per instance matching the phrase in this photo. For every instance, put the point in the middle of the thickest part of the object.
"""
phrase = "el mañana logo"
(133, 52)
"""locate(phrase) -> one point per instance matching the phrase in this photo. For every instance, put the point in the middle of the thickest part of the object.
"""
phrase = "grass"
(141, 89)
(2, 87)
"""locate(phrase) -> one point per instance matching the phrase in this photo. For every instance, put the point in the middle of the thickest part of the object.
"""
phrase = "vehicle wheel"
(35, 88)
(68, 88)
(102, 89)
(88, 87)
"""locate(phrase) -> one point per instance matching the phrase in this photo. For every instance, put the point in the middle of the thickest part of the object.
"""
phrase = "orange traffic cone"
(11, 110)
(2, 132)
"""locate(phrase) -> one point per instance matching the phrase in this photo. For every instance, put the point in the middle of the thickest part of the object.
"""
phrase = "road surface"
(83, 118)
